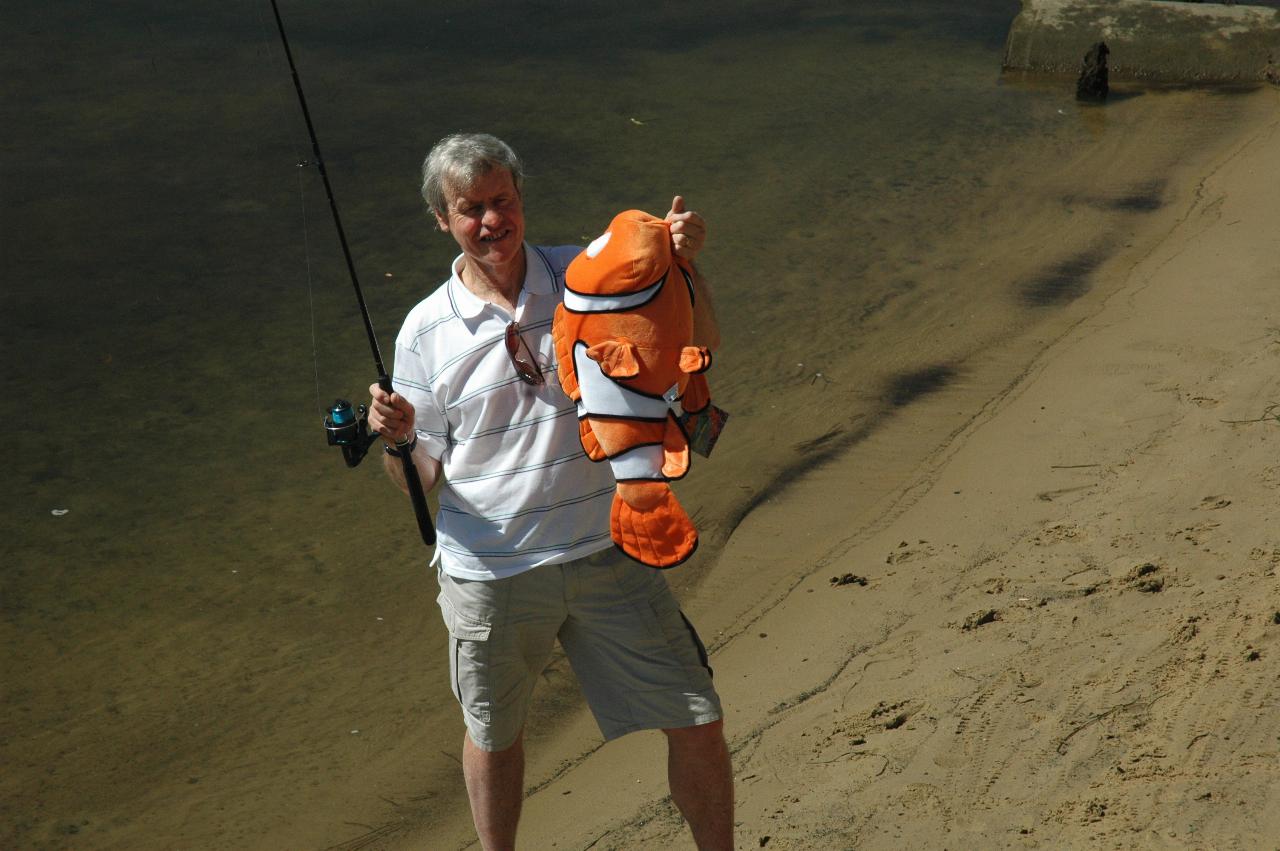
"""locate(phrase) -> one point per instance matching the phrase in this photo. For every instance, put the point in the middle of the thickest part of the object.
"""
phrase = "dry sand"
(1068, 635)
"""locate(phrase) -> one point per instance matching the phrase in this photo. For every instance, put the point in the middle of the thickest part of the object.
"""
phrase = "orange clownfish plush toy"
(624, 342)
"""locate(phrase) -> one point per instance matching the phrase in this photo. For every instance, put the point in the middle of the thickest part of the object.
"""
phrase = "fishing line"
(311, 298)
(283, 109)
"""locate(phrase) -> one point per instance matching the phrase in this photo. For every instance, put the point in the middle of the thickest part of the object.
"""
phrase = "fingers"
(688, 230)
(390, 414)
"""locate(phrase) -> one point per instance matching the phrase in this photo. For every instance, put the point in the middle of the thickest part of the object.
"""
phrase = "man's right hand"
(390, 415)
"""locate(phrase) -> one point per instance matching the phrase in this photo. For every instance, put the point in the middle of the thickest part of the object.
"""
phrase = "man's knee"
(490, 756)
(699, 734)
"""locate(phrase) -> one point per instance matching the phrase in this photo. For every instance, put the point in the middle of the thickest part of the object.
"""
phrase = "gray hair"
(461, 159)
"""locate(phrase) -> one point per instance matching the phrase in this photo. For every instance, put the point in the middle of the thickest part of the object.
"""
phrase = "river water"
(216, 636)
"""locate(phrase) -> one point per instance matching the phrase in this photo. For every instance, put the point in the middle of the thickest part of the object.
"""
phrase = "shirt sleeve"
(411, 379)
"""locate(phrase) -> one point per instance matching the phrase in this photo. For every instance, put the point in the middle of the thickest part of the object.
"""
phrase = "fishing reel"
(349, 428)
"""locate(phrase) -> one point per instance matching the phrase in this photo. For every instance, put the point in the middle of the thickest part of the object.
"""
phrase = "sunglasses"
(521, 358)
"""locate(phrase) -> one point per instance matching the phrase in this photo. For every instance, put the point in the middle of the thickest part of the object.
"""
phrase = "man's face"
(487, 219)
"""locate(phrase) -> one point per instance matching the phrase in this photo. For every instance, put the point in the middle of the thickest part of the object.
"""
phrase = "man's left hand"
(688, 230)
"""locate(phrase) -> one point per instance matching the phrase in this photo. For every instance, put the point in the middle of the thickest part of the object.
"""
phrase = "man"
(524, 555)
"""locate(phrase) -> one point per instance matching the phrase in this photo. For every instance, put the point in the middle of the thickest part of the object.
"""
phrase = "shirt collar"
(537, 281)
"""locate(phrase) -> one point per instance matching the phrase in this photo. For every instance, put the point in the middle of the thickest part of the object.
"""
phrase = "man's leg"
(701, 778)
(502, 632)
(495, 786)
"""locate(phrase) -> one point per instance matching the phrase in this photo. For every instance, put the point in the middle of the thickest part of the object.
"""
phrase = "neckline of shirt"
(468, 305)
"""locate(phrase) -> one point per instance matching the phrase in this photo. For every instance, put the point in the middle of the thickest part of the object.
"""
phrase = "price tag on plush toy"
(703, 428)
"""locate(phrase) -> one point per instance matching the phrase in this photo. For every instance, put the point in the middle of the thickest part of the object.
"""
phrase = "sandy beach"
(1069, 630)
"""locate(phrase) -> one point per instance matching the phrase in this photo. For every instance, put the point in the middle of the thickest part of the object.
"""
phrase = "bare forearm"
(688, 237)
(706, 331)
(428, 470)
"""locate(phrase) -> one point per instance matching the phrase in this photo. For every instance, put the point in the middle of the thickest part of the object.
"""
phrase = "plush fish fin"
(648, 524)
(675, 451)
(590, 441)
(617, 358)
(564, 356)
(695, 359)
(697, 395)
(569, 380)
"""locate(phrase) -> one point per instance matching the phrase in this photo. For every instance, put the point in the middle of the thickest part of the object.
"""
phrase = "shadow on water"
(813, 454)
(1064, 281)
(1145, 198)
(903, 389)
(899, 392)
(1115, 96)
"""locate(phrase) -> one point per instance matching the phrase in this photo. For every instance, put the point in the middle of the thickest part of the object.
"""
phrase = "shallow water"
(229, 640)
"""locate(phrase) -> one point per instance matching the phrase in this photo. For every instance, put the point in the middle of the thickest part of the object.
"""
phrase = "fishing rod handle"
(418, 498)
(413, 482)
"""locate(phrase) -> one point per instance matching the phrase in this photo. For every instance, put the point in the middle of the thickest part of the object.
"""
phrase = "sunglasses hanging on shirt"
(522, 358)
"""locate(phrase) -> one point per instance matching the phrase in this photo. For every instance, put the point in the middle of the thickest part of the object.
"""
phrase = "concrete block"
(1172, 42)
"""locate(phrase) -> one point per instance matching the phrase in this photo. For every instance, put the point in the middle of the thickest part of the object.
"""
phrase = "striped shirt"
(518, 489)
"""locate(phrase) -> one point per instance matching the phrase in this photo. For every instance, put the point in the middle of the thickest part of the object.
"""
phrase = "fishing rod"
(347, 428)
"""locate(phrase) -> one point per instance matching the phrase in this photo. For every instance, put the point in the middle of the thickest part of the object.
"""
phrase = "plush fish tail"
(650, 526)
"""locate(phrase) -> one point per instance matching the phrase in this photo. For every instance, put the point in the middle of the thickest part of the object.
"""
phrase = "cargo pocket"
(678, 633)
(468, 639)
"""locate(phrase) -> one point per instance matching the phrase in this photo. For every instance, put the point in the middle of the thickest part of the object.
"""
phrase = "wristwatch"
(400, 448)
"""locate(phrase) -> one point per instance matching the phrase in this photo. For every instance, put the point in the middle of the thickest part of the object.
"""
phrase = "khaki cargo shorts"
(639, 661)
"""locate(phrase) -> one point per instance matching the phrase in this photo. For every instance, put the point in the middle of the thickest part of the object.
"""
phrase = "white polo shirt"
(518, 489)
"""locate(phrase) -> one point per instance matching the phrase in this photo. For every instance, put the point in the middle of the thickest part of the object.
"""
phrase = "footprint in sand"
(905, 551)
(1270, 554)
(1196, 534)
(1057, 533)
(1143, 578)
